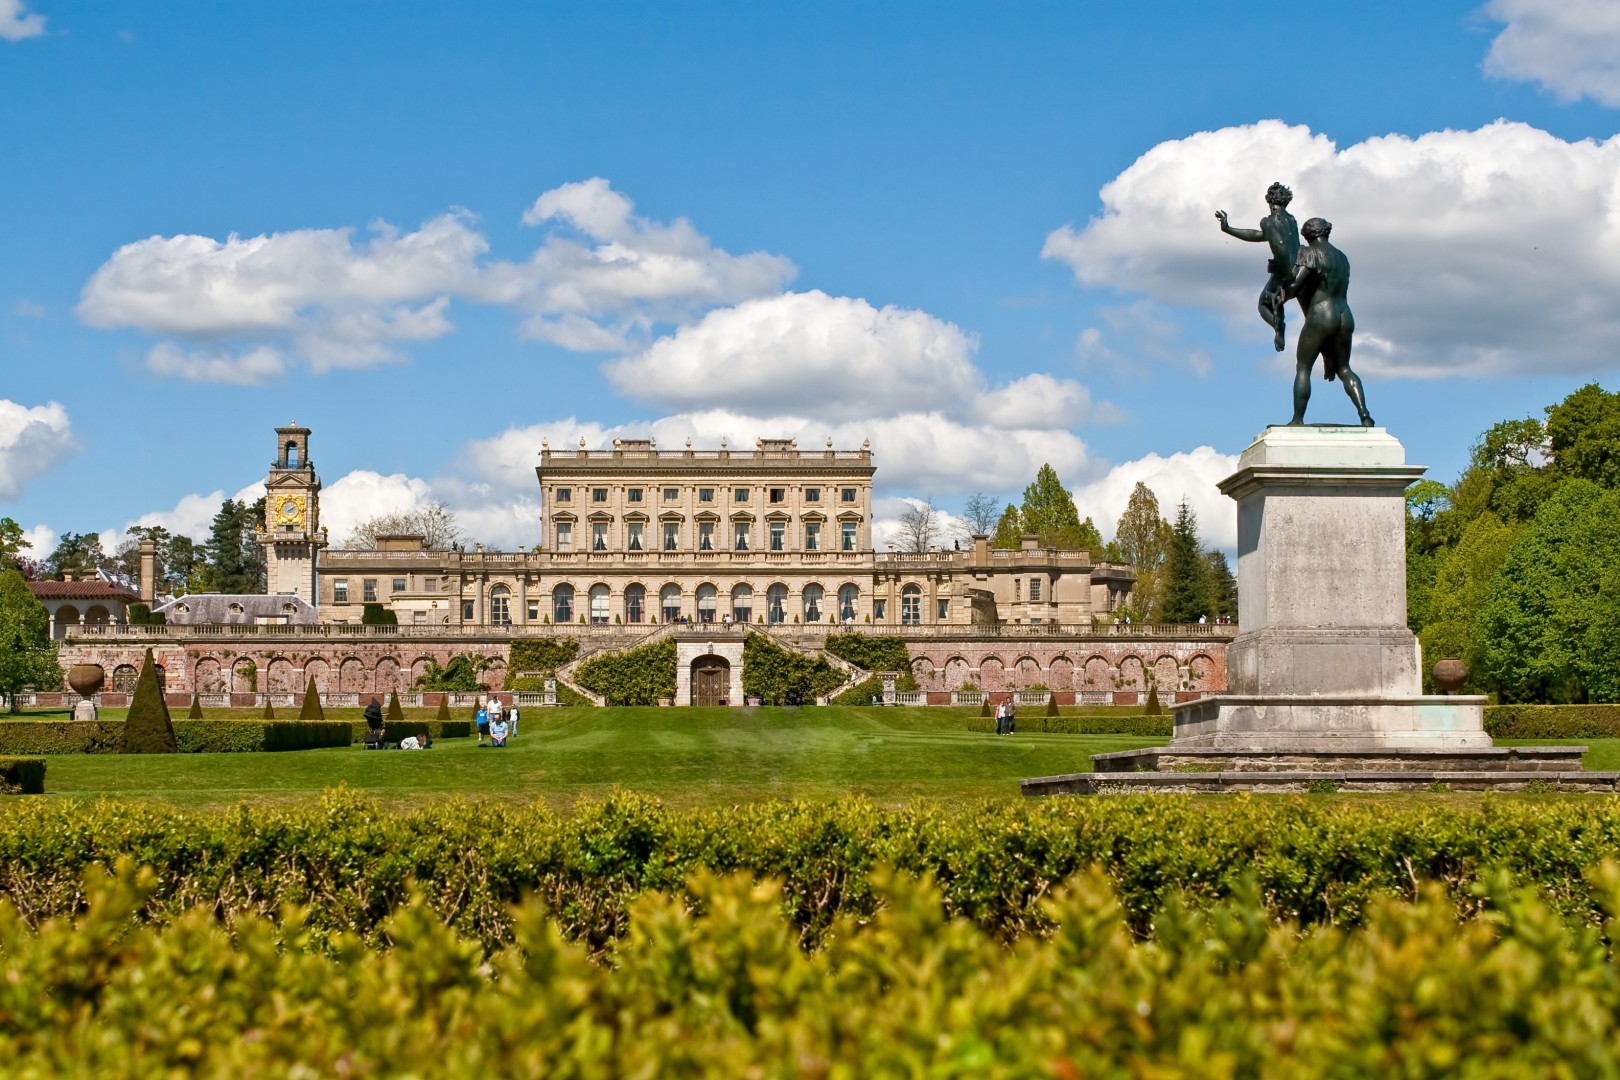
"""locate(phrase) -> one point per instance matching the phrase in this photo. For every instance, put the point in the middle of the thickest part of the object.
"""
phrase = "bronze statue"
(1280, 231)
(1321, 281)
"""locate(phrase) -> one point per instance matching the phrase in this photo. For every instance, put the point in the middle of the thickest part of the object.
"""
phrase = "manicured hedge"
(352, 863)
(639, 676)
(712, 983)
(779, 676)
(1033, 719)
(22, 776)
(1553, 721)
(191, 736)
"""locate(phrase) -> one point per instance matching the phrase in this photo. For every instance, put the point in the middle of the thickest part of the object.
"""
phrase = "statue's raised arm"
(1278, 229)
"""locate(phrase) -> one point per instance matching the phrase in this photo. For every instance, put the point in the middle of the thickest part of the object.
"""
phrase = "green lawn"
(683, 756)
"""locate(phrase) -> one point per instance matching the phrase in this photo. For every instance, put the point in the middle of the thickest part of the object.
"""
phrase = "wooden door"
(711, 681)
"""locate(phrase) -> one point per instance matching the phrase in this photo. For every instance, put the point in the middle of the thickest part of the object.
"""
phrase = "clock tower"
(291, 534)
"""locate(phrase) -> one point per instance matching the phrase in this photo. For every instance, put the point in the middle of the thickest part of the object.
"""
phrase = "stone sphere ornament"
(1449, 674)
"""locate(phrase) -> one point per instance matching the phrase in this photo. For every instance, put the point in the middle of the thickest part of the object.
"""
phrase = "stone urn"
(86, 679)
(1449, 674)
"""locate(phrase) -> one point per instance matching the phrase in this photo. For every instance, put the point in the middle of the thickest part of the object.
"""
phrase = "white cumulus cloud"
(1570, 47)
(1191, 474)
(17, 22)
(814, 354)
(1035, 401)
(1480, 252)
(250, 368)
(33, 439)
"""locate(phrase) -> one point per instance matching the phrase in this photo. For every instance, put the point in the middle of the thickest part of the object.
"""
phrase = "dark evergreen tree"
(443, 715)
(195, 712)
(394, 714)
(147, 728)
(269, 708)
(1186, 574)
(77, 552)
(1223, 590)
(233, 549)
(311, 709)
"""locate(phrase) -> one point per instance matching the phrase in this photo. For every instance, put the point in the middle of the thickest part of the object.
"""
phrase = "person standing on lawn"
(481, 718)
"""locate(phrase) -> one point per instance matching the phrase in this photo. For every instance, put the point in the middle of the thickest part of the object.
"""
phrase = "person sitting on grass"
(411, 742)
(497, 732)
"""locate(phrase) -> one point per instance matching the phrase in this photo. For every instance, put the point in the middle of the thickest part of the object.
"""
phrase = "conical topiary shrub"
(1153, 708)
(312, 703)
(1051, 705)
(395, 714)
(269, 709)
(148, 729)
(443, 715)
(984, 709)
(195, 712)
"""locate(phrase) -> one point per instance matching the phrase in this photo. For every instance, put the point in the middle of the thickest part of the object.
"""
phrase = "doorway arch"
(711, 680)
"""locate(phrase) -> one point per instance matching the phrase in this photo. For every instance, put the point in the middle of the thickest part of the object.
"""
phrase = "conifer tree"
(1223, 590)
(1186, 573)
(311, 709)
(1007, 529)
(147, 728)
(1048, 511)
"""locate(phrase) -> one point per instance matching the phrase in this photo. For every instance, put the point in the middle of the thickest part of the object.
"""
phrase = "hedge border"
(22, 776)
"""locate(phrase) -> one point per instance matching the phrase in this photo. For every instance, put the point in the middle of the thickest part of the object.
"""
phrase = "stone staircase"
(599, 646)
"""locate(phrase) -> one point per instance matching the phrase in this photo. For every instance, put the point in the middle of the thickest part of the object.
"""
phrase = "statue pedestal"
(84, 709)
(1324, 678)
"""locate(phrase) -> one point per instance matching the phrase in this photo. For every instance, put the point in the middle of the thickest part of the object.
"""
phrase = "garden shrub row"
(712, 982)
(22, 776)
(350, 863)
(1034, 720)
(864, 691)
(1553, 721)
(639, 676)
(191, 736)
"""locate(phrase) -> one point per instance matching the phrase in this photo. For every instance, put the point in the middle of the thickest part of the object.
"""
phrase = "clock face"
(290, 510)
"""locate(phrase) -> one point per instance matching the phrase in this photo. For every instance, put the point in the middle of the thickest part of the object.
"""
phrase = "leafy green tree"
(1186, 574)
(460, 675)
(27, 653)
(1464, 578)
(76, 552)
(1426, 501)
(1048, 511)
(1007, 529)
(184, 566)
(1550, 624)
(1223, 590)
(1144, 540)
(11, 543)
(1583, 436)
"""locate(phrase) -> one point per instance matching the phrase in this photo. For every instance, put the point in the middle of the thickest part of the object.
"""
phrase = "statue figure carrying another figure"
(1321, 281)
(1280, 231)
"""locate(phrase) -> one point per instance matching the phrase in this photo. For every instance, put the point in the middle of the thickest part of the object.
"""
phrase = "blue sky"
(980, 235)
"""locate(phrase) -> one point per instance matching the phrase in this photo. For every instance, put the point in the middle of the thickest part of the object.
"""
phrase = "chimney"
(148, 571)
(981, 549)
(1029, 542)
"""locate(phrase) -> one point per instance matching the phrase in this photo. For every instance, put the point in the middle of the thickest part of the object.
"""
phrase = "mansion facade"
(637, 535)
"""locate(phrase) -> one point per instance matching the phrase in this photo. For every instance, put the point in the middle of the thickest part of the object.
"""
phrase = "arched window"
(911, 605)
(669, 599)
(635, 603)
(500, 606)
(292, 455)
(562, 604)
(776, 604)
(707, 602)
(848, 597)
(812, 603)
(742, 603)
(599, 604)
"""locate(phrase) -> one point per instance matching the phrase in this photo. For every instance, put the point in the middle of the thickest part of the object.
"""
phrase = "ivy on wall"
(779, 677)
(639, 676)
(869, 652)
(542, 654)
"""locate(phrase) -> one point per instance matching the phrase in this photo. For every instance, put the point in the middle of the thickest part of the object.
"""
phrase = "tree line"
(1179, 577)
(1514, 568)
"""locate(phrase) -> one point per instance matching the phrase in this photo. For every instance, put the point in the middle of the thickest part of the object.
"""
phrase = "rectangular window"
(466, 611)
(599, 495)
(399, 584)
(368, 590)
(812, 495)
(778, 496)
(632, 495)
(740, 495)
(879, 608)
(1018, 589)
(419, 616)
(565, 536)
(638, 531)
(672, 535)
(742, 536)
(847, 495)
(778, 536)
(430, 584)
(812, 536)
(705, 495)
(705, 536)
(340, 591)
(848, 529)
(599, 536)
(672, 495)
(1034, 588)
(565, 494)
(534, 611)
(944, 611)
